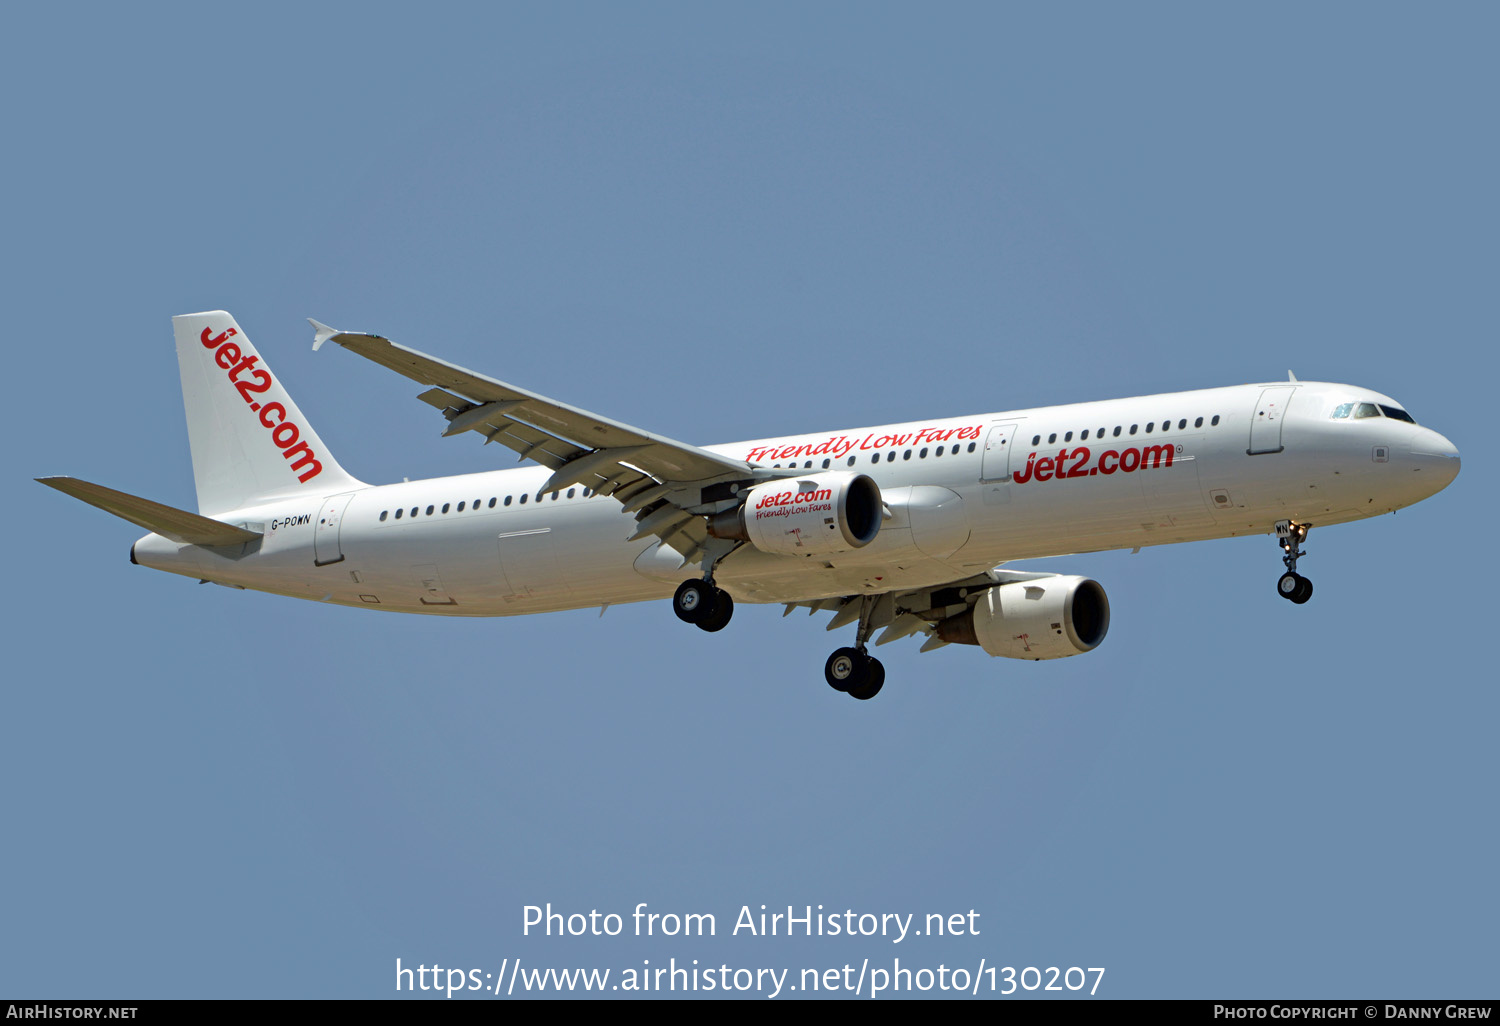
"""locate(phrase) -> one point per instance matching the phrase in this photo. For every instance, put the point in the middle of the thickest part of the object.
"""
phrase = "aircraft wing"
(668, 482)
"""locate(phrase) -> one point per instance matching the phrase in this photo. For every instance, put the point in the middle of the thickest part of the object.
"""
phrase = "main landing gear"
(853, 670)
(1292, 585)
(703, 604)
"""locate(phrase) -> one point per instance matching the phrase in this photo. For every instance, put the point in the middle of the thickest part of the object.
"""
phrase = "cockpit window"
(1396, 413)
(1342, 411)
(1365, 410)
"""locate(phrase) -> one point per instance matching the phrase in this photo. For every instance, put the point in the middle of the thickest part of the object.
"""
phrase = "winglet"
(324, 333)
(1290, 376)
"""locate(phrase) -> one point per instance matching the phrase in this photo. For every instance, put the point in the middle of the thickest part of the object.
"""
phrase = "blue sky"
(721, 223)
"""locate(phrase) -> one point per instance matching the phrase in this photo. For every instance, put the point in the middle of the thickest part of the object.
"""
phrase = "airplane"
(901, 528)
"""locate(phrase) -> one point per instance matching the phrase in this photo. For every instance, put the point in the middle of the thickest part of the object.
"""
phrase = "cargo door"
(529, 562)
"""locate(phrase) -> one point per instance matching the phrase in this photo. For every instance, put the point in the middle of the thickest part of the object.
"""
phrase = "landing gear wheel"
(694, 599)
(1294, 587)
(847, 668)
(716, 617)
(875, 683)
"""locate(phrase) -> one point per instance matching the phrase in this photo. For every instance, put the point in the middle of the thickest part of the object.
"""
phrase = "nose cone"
(1436, 459)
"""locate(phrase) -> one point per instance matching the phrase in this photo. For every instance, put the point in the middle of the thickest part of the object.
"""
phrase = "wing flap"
(177, 524)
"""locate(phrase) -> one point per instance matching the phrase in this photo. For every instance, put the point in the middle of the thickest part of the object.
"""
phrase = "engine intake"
(1047, 618)
(805, 516)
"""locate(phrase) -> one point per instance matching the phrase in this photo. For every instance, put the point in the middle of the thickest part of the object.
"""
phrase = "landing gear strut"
(853, 670)
(1292, 585)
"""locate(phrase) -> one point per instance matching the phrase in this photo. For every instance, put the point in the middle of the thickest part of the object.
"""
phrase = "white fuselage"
(964, 494)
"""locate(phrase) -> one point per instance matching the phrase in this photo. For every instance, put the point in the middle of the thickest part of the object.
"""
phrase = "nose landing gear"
(1292, 585)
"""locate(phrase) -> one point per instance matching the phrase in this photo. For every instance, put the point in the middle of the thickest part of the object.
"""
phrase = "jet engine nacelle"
(805, 516)
(1047, 618)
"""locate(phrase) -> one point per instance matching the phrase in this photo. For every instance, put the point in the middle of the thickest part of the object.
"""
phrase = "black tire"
(693, 601)
(846, 669)
(1304, 591)
(1288, 585)
(875, 683)
(716, 617)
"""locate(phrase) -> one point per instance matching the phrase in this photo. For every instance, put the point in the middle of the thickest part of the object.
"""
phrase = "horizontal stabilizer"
(177, 524)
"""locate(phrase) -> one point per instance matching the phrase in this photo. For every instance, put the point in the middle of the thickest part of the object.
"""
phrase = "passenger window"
(382, 516)
(460, 507)
(445, 507)
(875, 458)
(398, 514)
(1036, 439)
(906, 455)
(851, 461)
(1068, 437)
(1182, 424)
(523, 498)
(1117, 431)
(1198, 423)
(890, 457)
(429, 511)
(939, 450)
(1052, 438)
(414, 511)
(1214, 422)
(507, 501)
(1148, 426)
(1365, 410)
(825, 464)
(1085, 436)
(1132, 429)
(955, 450)
(971, 447)
(922, 455)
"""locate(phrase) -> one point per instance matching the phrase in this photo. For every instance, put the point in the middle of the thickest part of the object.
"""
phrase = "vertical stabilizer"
(250, 442)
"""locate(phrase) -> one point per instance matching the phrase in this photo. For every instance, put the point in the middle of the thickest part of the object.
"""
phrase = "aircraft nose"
(1437, 456)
